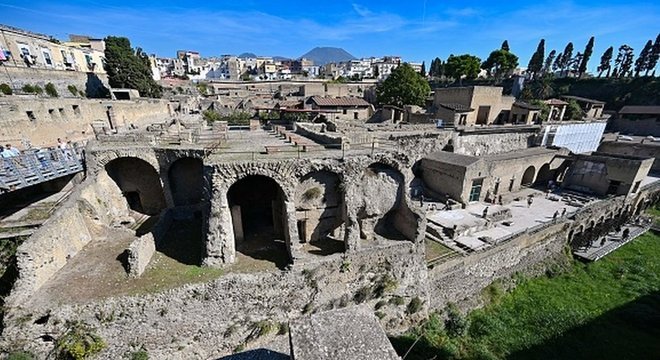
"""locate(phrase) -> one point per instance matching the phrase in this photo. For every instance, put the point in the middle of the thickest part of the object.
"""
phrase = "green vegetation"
(21, 355)
(235, 118)
(500, 64)
(404, 86)
(51, 90)
(414, 306)
(73, 90)
(129, 68)
(603, 310)
(32, 89)
(312, 193)
(461, 66)
(140, 355)
(78, 343)
(6, 89)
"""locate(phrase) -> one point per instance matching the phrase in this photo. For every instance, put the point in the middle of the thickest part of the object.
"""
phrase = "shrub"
(28, 88)
(78, 343)
(6, 89)
(362, 295)
(397, 300)
(140, 355)
(312, 193)
(211, 116)
(51, 90)
(456, 323)
(21, 355)
(414, 306)
(38, 90)
(262, 328)
(73, 90)
(385, 284)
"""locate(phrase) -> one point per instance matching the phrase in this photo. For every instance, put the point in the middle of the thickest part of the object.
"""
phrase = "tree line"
(501, 63)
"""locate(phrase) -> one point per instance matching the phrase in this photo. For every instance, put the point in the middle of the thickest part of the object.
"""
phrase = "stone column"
(291, 230)
(563, 111)
(220, 243)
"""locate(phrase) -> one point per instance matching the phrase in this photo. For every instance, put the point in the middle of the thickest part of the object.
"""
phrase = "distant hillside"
(280, 58)
(247, 55)
(324, 55)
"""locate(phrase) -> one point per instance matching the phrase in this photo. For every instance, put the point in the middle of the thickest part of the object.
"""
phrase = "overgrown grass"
(604, 310)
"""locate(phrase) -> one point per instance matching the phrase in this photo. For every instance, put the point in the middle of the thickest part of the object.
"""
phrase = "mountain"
(280, 58)
(247, 55)
(324, 55)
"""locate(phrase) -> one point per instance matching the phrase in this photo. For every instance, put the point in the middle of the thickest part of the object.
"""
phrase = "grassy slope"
(604, 310)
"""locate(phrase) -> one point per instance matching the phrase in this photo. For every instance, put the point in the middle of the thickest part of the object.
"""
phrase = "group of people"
(12, 156)
(8, 151)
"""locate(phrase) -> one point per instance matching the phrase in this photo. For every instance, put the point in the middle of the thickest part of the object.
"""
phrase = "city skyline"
(418, 31)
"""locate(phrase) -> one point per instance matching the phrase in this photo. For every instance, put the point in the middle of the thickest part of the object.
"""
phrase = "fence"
(35, 166)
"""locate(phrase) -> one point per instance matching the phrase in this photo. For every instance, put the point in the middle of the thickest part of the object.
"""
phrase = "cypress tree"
(536, 62)
(605, 62)
(586, 56)
(642, 62)
(547, 67)
(505, 46)
(654, 56)
(567, 56)
(423, 70)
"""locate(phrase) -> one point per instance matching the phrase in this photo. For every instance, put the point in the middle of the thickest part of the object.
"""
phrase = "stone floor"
(610, 242)
(522, 217)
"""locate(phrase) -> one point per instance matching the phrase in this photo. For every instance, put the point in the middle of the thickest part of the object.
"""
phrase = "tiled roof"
(555, 102)
(524, 105)
(342, 101)
(579, 98)
(640, 110)
(452, 158)
(456, 107)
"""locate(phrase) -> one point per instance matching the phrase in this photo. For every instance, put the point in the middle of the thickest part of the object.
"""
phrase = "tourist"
(499, 200)
(563, 212)
(14, 151)
(5, 153)
(530, 200)
(555, 215)
(485, 212)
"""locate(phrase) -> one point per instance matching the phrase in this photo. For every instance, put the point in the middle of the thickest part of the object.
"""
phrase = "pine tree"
(500, 63)
(547, 67)
(654, 56)
(128, 68)
(605, 62)
(642, 62)
(505, 46)
(567, 56)
(404, 86)
(586, 56)
(536, 62)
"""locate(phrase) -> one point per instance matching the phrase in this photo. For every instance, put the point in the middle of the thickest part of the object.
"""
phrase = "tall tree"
(624, 61)
(536, 62)
(505, 46)
(586, 56)
(423, 70)
(558, 61)
(461, 66)
(606, 62)
(642, 62)
(567, 57)
(547, 67)
(500, 63)
(654, 56)
(128, 68)
(404, 86)
(576, 62)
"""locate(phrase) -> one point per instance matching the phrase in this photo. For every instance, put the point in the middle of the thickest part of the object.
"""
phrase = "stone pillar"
(291, 231)
(220, 242)
(563, 111)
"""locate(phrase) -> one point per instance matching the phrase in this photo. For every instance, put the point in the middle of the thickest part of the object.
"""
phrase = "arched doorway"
(259, 219)
(544, 175)
(139, 182)
(528, 176)
(186, 181)
(320, 213)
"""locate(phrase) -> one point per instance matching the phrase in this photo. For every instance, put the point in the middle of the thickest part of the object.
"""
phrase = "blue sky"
(415, 29)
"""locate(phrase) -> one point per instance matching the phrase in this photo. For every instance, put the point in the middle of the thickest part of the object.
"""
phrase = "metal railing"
(35, 166)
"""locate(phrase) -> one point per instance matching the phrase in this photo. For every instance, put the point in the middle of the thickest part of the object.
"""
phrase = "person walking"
(530, 200)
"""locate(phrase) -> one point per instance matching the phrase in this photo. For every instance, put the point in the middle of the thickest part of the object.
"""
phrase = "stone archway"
(186, 179)
(320, 213)
(139, 183)
(544, 175)
(259, 219)
(528, 176)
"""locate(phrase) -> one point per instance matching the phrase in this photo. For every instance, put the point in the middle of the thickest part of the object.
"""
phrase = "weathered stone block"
(139, 254)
